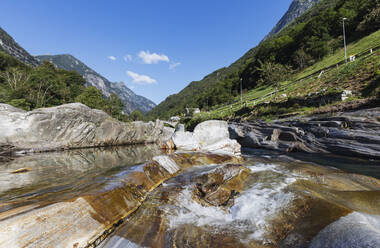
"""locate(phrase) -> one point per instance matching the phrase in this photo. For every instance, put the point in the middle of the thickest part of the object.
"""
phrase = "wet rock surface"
(140, 197)
(279, 204)
(72, 126)
(57, 176)
(354, 134)
(82, 215)
(219, 187)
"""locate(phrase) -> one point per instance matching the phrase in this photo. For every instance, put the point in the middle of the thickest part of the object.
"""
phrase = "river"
(282, 201)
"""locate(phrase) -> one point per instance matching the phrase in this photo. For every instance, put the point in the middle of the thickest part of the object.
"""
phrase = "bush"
(136, 116)
(20, 103)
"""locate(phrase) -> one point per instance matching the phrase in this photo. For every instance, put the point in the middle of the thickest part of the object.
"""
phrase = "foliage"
(272, 73)
(114, 107)
(45, 86)
(136, 116)
(92, 97)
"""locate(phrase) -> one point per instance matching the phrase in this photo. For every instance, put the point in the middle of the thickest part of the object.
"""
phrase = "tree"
(92, 97)
(114, 106)
(136, 116)
(272, 73)
(301, 59)
(371, 21)
(15, 78)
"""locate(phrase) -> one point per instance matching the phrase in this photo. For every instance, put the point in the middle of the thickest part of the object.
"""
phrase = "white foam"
(250, 212)
(264, 167)
(354, 230)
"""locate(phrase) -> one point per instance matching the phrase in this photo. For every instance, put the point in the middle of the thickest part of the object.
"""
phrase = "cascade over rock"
(85, 220)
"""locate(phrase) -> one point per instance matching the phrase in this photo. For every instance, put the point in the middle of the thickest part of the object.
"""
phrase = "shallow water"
(287, 201)
(56, 176)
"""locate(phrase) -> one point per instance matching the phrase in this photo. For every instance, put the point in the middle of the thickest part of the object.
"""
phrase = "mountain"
(10, 46)
(296, 9)
(175, 104)
(298, 43)
(129, 98)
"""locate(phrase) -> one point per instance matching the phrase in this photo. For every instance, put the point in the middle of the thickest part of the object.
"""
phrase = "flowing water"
(281, 202)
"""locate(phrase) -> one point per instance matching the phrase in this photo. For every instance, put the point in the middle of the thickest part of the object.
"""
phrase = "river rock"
(85, 220)
(279, 204)
(354, 134)
(185, 141)
(219, 187)
(73, 126)
(208, 136)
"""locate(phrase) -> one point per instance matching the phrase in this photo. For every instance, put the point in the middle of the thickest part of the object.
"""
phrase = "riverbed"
(283, 201)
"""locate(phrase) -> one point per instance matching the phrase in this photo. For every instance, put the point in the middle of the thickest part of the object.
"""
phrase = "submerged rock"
(278, 205)
(73, 126)
(219, 187)
(84, 220)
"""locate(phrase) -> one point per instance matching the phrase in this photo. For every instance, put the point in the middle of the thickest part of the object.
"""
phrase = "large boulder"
(354, 134)
(73, 126)
(208, 136)
(185, 141)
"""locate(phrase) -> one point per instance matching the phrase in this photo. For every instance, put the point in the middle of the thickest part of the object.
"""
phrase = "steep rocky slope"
(296, 9)
(130, 99)
(10, 46)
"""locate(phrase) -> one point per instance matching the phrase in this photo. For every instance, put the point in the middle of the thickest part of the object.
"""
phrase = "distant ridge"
(130, 99)
(10, 46)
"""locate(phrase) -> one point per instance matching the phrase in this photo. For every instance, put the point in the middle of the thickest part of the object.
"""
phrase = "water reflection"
(69, 173)
(348, 164)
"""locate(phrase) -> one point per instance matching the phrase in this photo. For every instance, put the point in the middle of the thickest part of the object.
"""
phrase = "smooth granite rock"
(86, 219)
(73, 126)
(208, 136)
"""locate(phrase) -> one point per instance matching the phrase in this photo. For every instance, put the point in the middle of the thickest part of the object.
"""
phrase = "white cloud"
(128, 58)
(140, 79)
(112, 57)
(174, 65)
(152, 58)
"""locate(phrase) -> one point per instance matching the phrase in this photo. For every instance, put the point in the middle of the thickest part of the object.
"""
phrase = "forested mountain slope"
(302, 43)
(130, 99)
(296, 9)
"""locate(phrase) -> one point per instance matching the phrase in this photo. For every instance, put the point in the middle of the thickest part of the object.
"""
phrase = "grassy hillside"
(312, 94)
(310, 39)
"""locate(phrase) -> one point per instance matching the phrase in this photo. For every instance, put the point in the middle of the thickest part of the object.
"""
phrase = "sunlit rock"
(86, 218)
(73, 126)
(185, 141)
(208, 136)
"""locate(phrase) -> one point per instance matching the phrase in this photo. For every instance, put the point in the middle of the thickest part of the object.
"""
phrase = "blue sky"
(156, 47)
